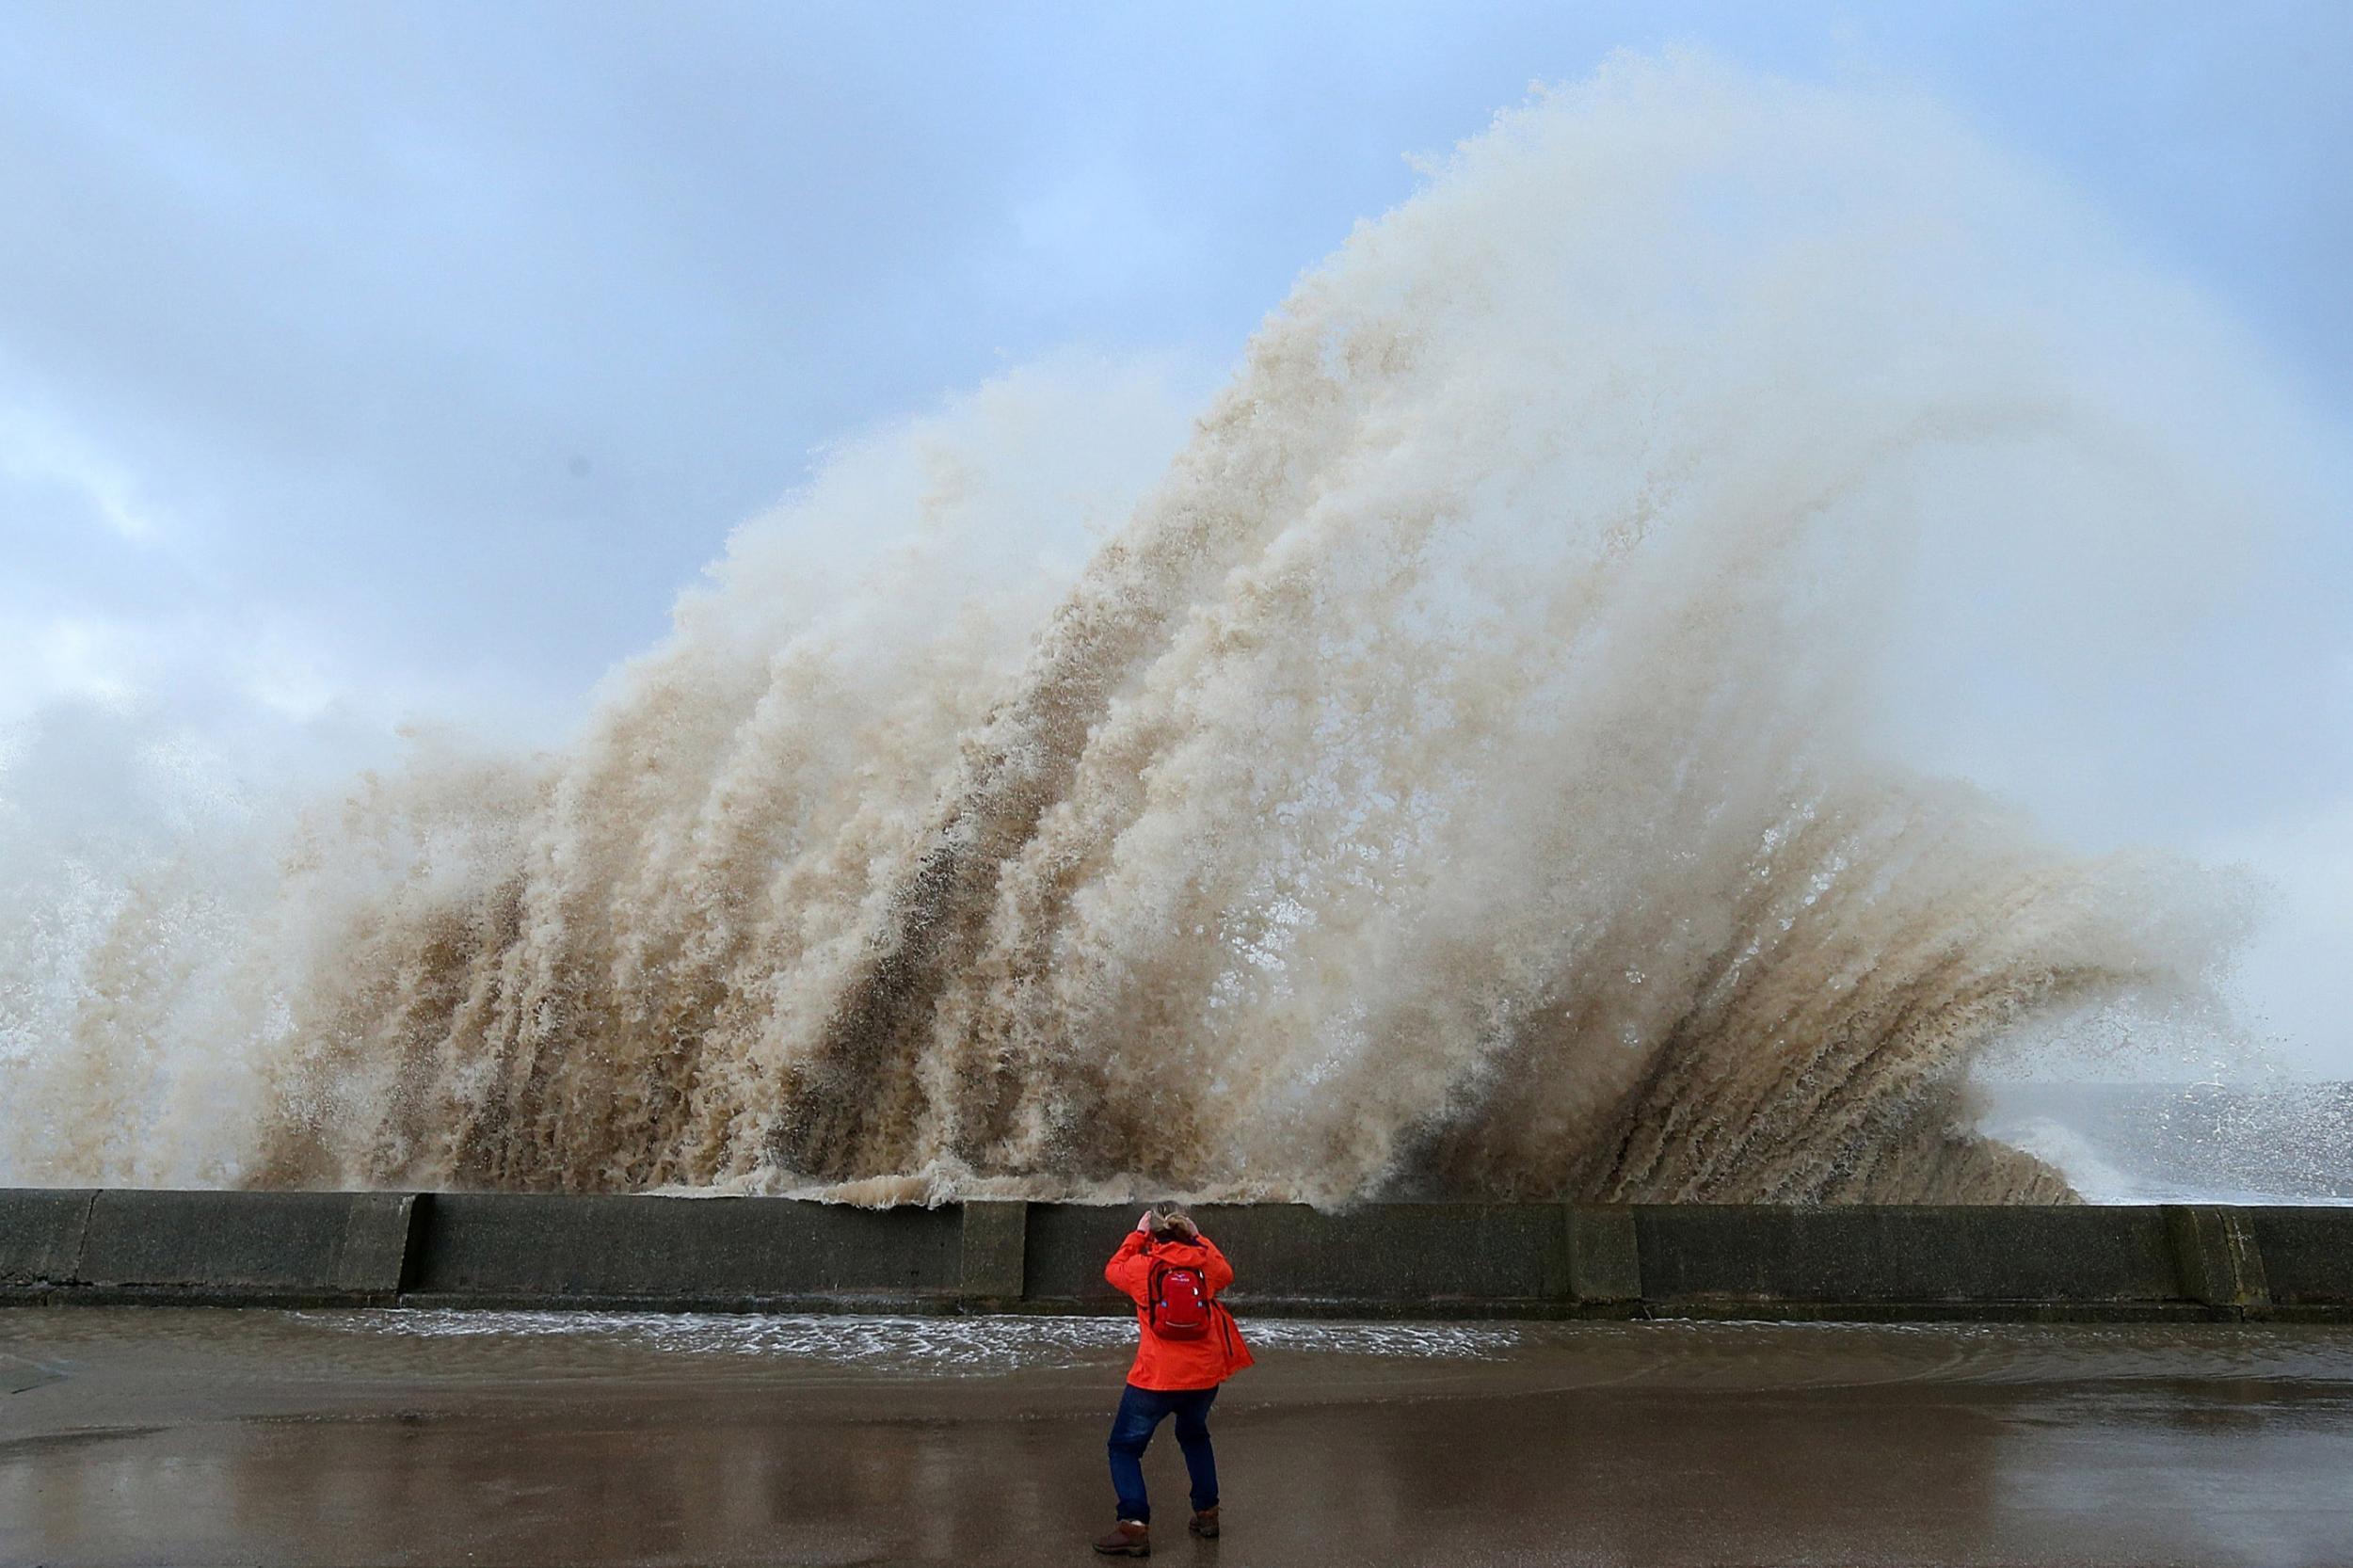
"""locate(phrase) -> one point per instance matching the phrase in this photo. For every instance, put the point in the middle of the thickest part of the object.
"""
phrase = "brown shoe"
(1205, 1524)
(1129, 1540)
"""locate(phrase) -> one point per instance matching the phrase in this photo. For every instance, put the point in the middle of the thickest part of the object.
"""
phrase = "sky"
(365, 363)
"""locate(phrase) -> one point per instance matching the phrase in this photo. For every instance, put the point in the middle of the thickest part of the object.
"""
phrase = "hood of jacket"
(1178, 1253)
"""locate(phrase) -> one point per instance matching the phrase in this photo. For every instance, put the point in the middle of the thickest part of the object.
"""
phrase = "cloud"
(36, 456)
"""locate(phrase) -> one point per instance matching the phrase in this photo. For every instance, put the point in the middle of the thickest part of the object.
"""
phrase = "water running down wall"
(1459, 771)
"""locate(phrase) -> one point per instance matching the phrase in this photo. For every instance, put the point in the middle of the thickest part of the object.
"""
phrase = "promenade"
(191, 1436)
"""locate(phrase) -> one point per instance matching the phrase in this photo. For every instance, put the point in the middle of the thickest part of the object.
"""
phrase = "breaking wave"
(1459, 767)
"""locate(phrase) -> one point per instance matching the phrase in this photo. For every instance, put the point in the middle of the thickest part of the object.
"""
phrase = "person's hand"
(1145, 1225)
(1186, 1229)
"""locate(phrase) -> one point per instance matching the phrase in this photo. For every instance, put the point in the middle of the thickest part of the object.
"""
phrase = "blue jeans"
(1139, 1411)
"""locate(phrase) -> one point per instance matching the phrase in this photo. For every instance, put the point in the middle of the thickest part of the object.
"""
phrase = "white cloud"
(38, 450)
(69, 659)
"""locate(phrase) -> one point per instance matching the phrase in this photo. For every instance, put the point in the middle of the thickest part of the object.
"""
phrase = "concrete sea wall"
(1413, 1260)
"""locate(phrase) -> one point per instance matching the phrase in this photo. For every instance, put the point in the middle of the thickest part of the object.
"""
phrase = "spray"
(1457, 772)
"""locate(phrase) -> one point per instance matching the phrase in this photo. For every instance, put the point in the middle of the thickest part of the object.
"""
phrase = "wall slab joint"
(1605, 1259)
(2219, 1262)
(995, 1262)
(373, 1259)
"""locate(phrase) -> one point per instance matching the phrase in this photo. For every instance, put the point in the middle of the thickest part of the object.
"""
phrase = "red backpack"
(1180, 1302)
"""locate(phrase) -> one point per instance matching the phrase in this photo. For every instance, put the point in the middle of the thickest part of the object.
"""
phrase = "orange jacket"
(1162, 1364)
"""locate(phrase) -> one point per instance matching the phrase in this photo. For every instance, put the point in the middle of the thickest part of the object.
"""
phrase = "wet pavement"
(186, 1437)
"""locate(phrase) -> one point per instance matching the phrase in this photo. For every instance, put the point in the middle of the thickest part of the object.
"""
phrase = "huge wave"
(1460, 766)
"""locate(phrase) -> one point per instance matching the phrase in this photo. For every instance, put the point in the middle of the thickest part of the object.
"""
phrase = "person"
(1189, 1344)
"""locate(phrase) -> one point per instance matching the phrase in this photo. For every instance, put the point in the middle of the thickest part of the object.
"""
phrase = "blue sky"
(367, 362)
